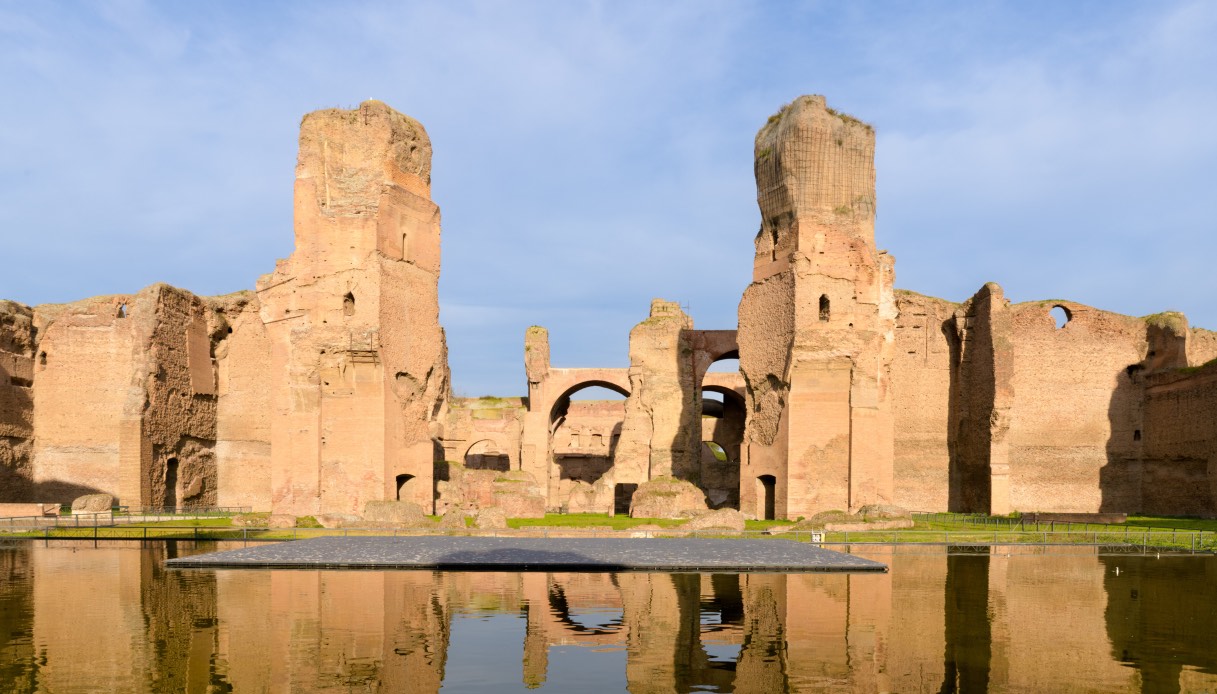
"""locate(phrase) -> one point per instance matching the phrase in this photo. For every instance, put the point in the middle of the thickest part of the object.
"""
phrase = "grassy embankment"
(1157, 532)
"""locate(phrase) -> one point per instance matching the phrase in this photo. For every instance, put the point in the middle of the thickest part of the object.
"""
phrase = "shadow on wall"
(1121, 479)
(971, 386)
(48, 492)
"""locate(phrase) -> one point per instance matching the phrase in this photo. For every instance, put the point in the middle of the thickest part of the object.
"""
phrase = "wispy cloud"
(590, 156)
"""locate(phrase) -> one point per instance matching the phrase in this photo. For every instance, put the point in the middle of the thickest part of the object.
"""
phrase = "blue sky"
(592, 155)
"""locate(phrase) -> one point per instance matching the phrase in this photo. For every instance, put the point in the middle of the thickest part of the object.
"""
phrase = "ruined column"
(982, 394)
(358, 357)
(815, 325)
(660, 427)
(534, 437)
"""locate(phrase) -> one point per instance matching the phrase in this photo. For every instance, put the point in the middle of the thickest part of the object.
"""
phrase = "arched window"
(824, 308)
(348, 304)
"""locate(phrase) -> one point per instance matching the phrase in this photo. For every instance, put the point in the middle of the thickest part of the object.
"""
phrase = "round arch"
(495, 456)
(562, 402)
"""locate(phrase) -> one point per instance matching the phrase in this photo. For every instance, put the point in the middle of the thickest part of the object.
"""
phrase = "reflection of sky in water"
(485, 649)
(938, 621)
(722, 652)
(603, 620)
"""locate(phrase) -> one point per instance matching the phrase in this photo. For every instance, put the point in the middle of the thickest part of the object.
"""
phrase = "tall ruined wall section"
(16, 401)
(358, 359)
(816, 324)
(243, 404)
(1074, 441)
(981, 397)
(83, 371)
(178, 407)
(921, 400)
(1179, 467)
(124, 399)
(659, 431)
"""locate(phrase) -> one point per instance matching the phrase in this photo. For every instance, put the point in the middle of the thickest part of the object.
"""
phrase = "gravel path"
(535, 554)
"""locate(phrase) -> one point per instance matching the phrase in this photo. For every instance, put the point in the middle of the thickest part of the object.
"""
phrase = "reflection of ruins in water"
(78, 617)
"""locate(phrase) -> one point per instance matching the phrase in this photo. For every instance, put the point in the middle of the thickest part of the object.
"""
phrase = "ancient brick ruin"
(328, 387)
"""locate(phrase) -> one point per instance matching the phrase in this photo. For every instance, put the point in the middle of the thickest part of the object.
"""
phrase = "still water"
(113, 619)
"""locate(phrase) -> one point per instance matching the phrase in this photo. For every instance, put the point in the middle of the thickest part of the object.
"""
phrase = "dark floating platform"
(534, 554)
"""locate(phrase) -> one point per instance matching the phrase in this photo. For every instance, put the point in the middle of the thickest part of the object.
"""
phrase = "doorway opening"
(623, 494)
(171, 483)
(766, 488)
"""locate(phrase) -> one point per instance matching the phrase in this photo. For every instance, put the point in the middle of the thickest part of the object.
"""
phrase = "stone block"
(667, 497)
(405, 513)
(92, 503)
(721, 519)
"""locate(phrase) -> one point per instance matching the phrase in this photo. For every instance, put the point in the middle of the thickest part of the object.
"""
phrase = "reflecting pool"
(79, 618)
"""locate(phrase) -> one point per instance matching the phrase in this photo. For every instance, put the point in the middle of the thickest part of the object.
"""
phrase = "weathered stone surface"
(405, 513)
(515, 491)
(659, 434)
(719, 519)
(667, 497)
(490, 519)
(92, 503)
(280, 520)
(876, 512)
(142, 429)
(243, 404)
(453, 519)
(815, 325)
(823, 518)
(17, 403)
(339, 520)
(359, 365)
(582, 499)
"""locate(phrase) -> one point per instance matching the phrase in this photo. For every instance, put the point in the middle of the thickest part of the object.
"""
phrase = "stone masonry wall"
(358, 359)
(243, 406)
(980, 404)
(921, 390)
(16, 402)
(816, 324)
(660, 427)
(125, 399)
(1179, 472)
(83, 371)
(1077, 408)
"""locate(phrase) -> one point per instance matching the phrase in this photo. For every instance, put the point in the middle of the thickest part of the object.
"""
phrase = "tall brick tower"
(815, 325)
(359, 363)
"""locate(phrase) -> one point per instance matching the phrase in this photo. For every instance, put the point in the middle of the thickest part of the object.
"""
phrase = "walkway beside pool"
(535, 554)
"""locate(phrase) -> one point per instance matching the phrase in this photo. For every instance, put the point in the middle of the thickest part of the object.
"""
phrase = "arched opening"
(773, 235)
(487, 455)
(1061, 316)
(403, 492)
(122, 310)
(725, 365)
(348, 304)
(766, 495)
(722, 435)
(585, 426)
(171, 483)
(825, 309)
